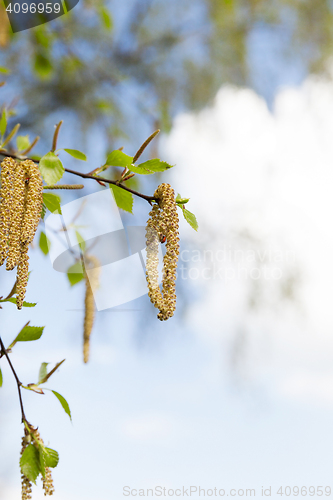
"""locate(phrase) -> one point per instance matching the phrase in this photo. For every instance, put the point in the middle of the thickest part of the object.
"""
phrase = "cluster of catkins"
(163, 226)
(92, 282)
(21, 204)
(35, 439)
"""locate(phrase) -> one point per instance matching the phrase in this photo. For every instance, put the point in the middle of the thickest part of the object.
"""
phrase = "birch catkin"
(92, 283)
(20, 211)
(6, 195)
(19, 195)
(163, 226)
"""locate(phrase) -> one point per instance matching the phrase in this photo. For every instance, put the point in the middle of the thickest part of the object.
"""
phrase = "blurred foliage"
(109, 63)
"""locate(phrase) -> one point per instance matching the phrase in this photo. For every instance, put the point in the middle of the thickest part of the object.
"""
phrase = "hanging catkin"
(6, 204)
(14, 237)
(20, 211)
(93, 265)
(163, 226)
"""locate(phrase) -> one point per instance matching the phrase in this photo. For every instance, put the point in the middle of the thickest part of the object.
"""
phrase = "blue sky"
(225, 394)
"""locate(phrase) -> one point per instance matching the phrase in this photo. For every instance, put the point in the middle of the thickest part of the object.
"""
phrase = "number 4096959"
(32, 8)
(304, 491)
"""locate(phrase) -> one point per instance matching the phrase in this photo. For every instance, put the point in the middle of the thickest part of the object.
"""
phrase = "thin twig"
(94, 177)
(18, 383)
(115, 183)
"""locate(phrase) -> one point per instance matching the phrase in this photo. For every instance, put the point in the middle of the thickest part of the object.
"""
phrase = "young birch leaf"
(155, 165)
(106, 18)
(3, 122)
(30, 464)
(140, 170)
(51, 457)
(42, 460)
(52, 202)
(42, 372)
(119, 159)
(22, 142)
(3, 70)
(181, 201)
(44, 243)
(123, 198)
(190, 218)
(75, 273)
(1, 379)
(63, 403)
(76, 154)
(29, 333)
(51, 168)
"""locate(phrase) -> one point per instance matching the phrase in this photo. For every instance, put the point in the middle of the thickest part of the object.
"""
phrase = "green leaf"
(25, 304)
(51, 168)
(80, 241)
(51, 457)
(123, 198)
(42, 372)
(4, 70)
(106, 18)
(43, 66)
(76, 154)
(63, 403)
(29, 333)
(44, 243)
(190, 218)
(181, 201)
(52, 202)
(1, 378)
(30, 464)
(154, 165)
(140, 170)
(75, 273)
(22, 142)
(42, 461)
(3, 122)
(119, 159)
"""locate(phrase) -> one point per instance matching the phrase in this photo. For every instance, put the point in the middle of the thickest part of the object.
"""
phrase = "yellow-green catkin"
(6, 194)
(93, 265)
(34, 201)
(22, 275)
(25, 482)
(163, 225)
(18, 202)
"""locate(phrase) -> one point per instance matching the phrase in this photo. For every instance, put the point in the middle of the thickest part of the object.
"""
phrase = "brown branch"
(115, 183)
(95, 178)
(18, 382)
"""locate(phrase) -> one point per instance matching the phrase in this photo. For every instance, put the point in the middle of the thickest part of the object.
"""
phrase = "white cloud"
(271, 175)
